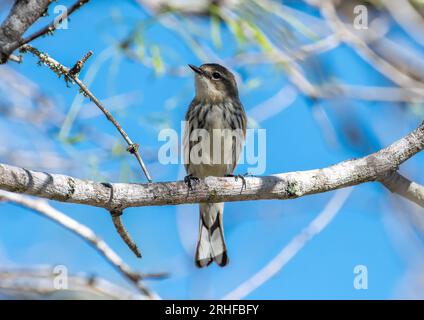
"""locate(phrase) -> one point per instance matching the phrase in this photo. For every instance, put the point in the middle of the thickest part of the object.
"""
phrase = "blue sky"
(360, 234)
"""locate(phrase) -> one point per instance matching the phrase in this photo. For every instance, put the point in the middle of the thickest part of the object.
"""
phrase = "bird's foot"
(188, 181)
(239, 176)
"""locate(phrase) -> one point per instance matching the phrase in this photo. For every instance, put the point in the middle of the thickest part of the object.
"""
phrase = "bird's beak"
(196, 69)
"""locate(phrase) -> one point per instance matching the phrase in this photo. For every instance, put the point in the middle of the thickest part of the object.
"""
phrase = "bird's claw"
(236, 177)
(188, 179)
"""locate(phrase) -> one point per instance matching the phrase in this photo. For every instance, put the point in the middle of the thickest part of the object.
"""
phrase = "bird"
(216, 121)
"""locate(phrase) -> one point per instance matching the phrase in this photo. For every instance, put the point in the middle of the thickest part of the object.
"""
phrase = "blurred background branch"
(42, 207)
(37, 283)
(115, 197)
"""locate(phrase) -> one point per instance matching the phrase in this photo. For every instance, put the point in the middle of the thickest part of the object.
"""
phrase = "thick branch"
(118, 196)
(21, 17)
(40, 281)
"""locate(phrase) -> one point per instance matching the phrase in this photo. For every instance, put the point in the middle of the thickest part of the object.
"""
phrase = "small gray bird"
(213, 139)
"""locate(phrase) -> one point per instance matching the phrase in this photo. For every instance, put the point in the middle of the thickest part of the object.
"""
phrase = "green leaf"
(157, 61)
(74, 139)
(216, 31)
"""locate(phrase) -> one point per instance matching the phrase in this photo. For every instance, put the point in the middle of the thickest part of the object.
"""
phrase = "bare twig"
(328, 11)
(49, 29)
(70, 76)
(15, 58)
(292, 248)
(116, 218)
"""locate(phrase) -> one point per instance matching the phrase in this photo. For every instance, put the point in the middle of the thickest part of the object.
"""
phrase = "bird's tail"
(211, 244)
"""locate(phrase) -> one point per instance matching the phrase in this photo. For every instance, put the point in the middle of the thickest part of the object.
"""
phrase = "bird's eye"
(216, 76)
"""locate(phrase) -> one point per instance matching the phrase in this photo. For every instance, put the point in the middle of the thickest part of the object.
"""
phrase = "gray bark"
(22, 15)
(118, 196)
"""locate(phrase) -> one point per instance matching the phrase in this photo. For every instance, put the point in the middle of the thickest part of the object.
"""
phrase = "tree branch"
(397, 183)
(20, 18)
(71, 75)
(43, 207)
(118, 196)
(53, 25)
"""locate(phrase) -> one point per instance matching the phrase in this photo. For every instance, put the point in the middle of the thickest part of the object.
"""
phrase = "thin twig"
(76, 69)
(120, 228)
(21, 16)
(49, 29)
(289, 185)
(72, 76)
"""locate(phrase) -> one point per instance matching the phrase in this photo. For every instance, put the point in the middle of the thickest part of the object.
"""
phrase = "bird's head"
(214, 83)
